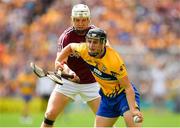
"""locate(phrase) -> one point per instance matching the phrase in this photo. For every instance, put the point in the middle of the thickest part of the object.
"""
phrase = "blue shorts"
(116, 106)
(27, 98)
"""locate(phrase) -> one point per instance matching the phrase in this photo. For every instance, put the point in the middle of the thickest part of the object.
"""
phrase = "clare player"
(119, 97)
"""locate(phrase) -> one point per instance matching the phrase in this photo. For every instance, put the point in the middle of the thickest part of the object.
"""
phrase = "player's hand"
(76, 79)
(139, 114)
(59, 66)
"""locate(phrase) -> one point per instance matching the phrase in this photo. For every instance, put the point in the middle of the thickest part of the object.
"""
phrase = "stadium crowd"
(145, 32)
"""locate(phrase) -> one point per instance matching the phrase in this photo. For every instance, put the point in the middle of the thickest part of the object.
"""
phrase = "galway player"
(83, 83)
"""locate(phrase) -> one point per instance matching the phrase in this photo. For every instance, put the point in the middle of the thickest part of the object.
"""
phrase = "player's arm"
(125, 83)
(67, 70)
(62, 42)
(62, 56)
(129, 92)
(130, 95)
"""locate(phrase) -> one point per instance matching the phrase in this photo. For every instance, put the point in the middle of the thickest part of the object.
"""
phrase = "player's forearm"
(67, 70)
(130, 97)
(63, 55)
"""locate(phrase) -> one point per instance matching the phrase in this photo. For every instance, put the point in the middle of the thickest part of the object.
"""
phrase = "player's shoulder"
(66, 35)
(68, 31)
(112, 52)
(82, 45)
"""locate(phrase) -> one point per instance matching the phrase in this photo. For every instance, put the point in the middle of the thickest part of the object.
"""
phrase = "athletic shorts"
(87, 92)
(116, 106)
(27, 98)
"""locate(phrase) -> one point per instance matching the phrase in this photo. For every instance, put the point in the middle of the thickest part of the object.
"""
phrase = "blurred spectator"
(44, 87)
(159, 89)
(26, 84)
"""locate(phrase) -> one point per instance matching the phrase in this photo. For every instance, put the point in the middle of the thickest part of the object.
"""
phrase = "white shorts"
(87, 92)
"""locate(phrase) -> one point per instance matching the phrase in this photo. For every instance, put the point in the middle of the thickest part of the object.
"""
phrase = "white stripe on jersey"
(61, 38)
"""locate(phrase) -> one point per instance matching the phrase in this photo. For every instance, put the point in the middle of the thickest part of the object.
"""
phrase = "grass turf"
(78, 115)
(85, 118)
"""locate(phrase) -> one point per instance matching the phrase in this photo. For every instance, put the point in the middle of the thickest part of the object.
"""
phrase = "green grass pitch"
(75, 116)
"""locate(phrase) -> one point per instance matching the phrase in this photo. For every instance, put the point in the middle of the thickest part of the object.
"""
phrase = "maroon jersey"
(77, 64)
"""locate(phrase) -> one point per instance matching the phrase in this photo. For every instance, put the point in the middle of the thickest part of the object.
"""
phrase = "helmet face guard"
(95, 35)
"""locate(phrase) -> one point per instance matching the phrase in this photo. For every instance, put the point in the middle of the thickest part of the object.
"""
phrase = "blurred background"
(145, 32)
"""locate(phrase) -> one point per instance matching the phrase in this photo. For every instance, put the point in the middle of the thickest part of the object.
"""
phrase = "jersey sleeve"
(62, 41)
(78, 48)
(121, 68)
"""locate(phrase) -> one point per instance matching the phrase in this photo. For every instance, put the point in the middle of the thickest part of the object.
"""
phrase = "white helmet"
(80, 10)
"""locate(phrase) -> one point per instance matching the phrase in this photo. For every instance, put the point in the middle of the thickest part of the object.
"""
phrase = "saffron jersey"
(107, 70)
(76, 63)
(26, 83)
